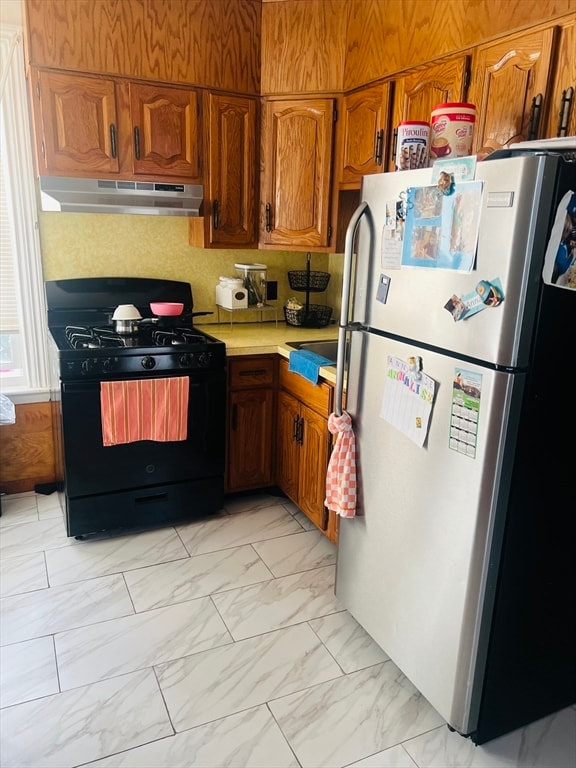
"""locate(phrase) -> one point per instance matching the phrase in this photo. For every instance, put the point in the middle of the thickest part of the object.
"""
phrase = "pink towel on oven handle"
(144, 409)
(341, 474)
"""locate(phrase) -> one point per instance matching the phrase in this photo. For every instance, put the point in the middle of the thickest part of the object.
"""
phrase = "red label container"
(452, 129)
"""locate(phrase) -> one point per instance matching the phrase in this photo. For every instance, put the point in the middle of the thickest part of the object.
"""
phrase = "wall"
(27, 449)
(110, 245)
(11, 12)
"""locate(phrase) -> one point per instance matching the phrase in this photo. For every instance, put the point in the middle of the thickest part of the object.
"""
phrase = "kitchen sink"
(326, 347)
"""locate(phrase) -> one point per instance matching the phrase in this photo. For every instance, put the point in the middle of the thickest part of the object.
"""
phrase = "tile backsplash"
(118, 245)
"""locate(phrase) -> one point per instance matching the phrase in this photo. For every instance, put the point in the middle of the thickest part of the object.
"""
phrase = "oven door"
(94, 469)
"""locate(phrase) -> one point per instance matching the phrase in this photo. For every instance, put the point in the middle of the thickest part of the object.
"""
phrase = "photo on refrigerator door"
(441, 230)
(560, 260)
(465, 411)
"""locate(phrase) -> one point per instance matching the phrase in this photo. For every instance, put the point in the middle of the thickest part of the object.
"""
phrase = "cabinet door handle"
(113, 149)
(534, 117)
(394, 140)
(565, 108)
(300, 438)
(234, 419)
(378, 147)
(268, 217)
(137, 142)
(215, 213)
(295, 429)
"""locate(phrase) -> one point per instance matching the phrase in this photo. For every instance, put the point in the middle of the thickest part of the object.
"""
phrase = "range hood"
(58, 193)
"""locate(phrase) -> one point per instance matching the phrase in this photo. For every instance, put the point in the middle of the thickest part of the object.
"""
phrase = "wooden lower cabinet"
(303, 444)
(250, 446)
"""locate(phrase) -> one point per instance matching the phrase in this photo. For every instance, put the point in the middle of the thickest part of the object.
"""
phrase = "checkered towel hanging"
(341, 474)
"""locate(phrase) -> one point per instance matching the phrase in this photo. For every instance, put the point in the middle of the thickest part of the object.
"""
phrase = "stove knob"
(185, 360)
(204, 359)
(148, 363)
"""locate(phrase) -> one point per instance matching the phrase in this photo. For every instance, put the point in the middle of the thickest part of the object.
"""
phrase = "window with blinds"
(10, 342)
(23, 358)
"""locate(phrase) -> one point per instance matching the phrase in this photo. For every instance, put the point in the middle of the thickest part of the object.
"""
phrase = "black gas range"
(138, 483)
(80, 322)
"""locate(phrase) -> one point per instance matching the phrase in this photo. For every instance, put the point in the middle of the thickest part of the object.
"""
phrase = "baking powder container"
(451, 129)
(412, 145)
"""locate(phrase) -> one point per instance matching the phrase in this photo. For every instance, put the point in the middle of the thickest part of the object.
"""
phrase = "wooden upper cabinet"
(165, 124)
(561, 117)
(76, 122)
(297, 138)
(419, 90)
(232, 193)
(208, 43)
(510, 89)
(364, 128)
(104, 127)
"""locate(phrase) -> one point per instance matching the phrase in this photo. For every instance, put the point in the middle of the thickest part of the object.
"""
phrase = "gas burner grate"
(177, 336)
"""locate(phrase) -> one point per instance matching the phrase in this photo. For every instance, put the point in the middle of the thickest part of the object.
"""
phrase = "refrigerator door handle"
(345, 311)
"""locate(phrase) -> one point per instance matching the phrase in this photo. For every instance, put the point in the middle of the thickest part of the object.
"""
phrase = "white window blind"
(23, 359)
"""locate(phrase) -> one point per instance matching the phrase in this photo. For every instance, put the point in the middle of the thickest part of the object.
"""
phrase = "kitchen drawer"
(318, 397)
(257, 370)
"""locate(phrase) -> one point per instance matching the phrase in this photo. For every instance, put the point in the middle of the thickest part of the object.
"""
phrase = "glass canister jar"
(254, 277)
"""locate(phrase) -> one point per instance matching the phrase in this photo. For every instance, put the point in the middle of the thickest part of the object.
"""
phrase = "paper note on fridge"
(408, 399)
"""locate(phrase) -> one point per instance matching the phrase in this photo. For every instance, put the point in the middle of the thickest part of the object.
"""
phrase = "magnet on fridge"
(383, 286)
(415, 367)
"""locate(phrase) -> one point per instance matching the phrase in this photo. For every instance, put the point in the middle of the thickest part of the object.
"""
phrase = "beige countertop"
(268, 338)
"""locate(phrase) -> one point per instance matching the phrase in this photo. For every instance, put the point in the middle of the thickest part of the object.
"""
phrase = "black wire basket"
(313, 316)
(308, 280)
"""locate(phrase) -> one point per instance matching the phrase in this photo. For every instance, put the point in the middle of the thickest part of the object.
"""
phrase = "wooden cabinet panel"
(78, 123)
(304, 442)
(102, 127)
(287, 449)
(418, 91)
(194, 42)
(297, 158)
(315, 441)
(561, 118)
(508, 77)
(384, 38)
(251, 428)
(319, 396)
(364, 128)
(250, 442)
(232, 193)
(303, 46)
(165, 125)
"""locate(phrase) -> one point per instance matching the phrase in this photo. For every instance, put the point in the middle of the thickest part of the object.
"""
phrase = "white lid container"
(452, 128)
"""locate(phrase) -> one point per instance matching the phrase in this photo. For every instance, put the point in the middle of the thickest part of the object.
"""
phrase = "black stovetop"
(89, 347)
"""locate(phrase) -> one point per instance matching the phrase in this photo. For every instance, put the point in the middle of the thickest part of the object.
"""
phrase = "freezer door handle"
(345, 311)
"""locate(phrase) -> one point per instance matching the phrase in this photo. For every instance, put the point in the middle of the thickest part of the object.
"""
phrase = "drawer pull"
(256, 372)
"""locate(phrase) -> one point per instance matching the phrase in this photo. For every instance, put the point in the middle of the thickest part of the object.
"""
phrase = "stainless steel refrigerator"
(460, 559)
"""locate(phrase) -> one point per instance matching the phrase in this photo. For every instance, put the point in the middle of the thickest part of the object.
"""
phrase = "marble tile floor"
(213, 644)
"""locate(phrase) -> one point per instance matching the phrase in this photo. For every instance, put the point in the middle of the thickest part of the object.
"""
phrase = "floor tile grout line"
(283, 734)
